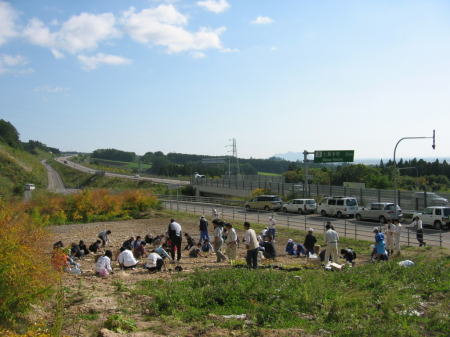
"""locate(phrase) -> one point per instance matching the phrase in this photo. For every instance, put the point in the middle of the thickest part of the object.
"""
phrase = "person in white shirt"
(397, 233)
(218, 241)
(175, 236)
(417, 223)
(389, 230)
(231, 242)
(154, 262)
(126, 259)
(104, 237)
(103, 265)
(252, 245)
(331, 239)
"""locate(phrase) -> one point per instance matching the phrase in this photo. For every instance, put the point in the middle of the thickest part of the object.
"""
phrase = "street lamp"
(395, 164)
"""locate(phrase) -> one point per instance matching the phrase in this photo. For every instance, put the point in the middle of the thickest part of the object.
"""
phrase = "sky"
(189, 75)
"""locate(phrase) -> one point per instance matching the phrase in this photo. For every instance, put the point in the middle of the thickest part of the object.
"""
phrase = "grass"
(18, 167)
(372, 300)
(73, 178)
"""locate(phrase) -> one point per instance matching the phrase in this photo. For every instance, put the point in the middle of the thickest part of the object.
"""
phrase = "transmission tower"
(233, 159)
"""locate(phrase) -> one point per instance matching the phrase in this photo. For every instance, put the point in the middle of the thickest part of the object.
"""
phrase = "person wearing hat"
(331, 239)
(231, 243)
(203, 227)
(310, 242)
(218, 241)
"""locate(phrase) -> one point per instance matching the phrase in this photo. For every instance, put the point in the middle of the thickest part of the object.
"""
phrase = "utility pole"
(233, 157)
(305, 172)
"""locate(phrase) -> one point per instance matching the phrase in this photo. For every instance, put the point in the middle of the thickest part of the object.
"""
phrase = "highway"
(55, 183)
(350, 228)
(66, 161)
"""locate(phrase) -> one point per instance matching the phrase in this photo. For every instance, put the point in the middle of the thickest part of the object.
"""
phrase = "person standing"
(271, 230)
(417, 223)
(252, 245)
(231, 243)
(397, 234)
(310, 242)
(104, 237)
(175, 236)
(218, 242)
(203, 226)
(389, 230)
(331, 239)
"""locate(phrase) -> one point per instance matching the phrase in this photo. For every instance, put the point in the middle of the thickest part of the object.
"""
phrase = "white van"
(338, 206)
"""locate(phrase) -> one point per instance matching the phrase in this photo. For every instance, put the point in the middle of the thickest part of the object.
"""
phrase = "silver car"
(301, 206)
(379, 211)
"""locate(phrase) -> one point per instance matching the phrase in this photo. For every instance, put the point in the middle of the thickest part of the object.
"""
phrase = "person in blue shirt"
(380, 246)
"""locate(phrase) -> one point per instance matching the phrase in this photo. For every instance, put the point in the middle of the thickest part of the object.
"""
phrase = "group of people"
(387, 240)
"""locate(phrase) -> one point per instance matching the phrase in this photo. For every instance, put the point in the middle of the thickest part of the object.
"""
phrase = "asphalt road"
(360, 230)
(66, 161)
(55, 183)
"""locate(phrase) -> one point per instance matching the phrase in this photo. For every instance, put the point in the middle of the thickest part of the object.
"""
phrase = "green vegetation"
(18, 168)
(381, 299)
(269, 174)
(120, 324)
(113, 154)
(73, 178)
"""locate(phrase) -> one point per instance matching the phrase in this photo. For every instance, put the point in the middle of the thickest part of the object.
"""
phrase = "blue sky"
(186, 76)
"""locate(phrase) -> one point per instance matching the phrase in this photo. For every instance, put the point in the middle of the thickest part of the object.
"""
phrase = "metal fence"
(233, 211)
(406, 199)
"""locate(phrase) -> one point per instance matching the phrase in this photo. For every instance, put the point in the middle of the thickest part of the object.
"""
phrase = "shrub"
(26, 273)
(120, 324)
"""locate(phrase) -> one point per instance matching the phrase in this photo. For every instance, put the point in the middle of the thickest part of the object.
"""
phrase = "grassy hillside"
(75, 179)
(17, 168)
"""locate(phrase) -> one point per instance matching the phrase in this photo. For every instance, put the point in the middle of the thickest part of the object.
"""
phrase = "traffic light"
(434, 140)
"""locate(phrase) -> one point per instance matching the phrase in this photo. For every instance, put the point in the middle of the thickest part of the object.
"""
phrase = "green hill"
(17, 168)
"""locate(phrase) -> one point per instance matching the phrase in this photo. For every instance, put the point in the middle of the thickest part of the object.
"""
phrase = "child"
(104, 237)
(207, 247)
(103, 265)
(190, 241)
(349, 255)
(154, 262)
(195, 251)
(290, 247)
(126, 259)
(139, 251)
(83, 247)
(95, 246)
(75, 251)
(310, 242)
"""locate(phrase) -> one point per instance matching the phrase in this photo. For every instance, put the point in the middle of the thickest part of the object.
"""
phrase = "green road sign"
(331, 156)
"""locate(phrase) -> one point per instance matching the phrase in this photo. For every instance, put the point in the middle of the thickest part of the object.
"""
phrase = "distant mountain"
(291, 156)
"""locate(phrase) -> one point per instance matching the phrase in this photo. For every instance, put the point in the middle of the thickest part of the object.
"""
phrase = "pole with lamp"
(395, 165)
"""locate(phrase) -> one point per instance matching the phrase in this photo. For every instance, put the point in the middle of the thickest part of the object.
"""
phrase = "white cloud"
(164, 26)
(262, 20)
(230, 50)
(198, 55)
(8, 17)
(79, 33)
(14, 64)
(273, 48)
(92, 62)
(216, 6)
(51, 89)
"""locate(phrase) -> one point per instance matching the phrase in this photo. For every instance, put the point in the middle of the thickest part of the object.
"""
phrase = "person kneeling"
(154, 262)
(103, 265)
(126, 259)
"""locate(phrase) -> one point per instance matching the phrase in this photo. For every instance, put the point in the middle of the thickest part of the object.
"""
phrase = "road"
(55, 183)
(360, 230)
(66, 161)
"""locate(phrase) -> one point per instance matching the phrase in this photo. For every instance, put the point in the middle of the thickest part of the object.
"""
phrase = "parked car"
(379, 211)
(30, 187)
(338, 206)
(199, 176)
(432, 199)
(436, 216)
(301, 206)
(265, 202)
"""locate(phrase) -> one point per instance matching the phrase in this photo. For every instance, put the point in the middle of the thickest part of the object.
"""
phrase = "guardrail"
(345, 227)
(406, 199)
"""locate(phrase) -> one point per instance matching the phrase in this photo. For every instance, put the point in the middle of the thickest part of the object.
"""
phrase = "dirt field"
(89, 300)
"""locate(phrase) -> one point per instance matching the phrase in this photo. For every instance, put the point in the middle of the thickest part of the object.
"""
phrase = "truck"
(435, 216)
(379, 211)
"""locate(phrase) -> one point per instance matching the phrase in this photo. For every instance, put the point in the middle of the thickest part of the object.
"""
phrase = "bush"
(26, 274)
(89, 206)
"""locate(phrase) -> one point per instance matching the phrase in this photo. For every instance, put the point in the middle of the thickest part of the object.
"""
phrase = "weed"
(118, 323)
